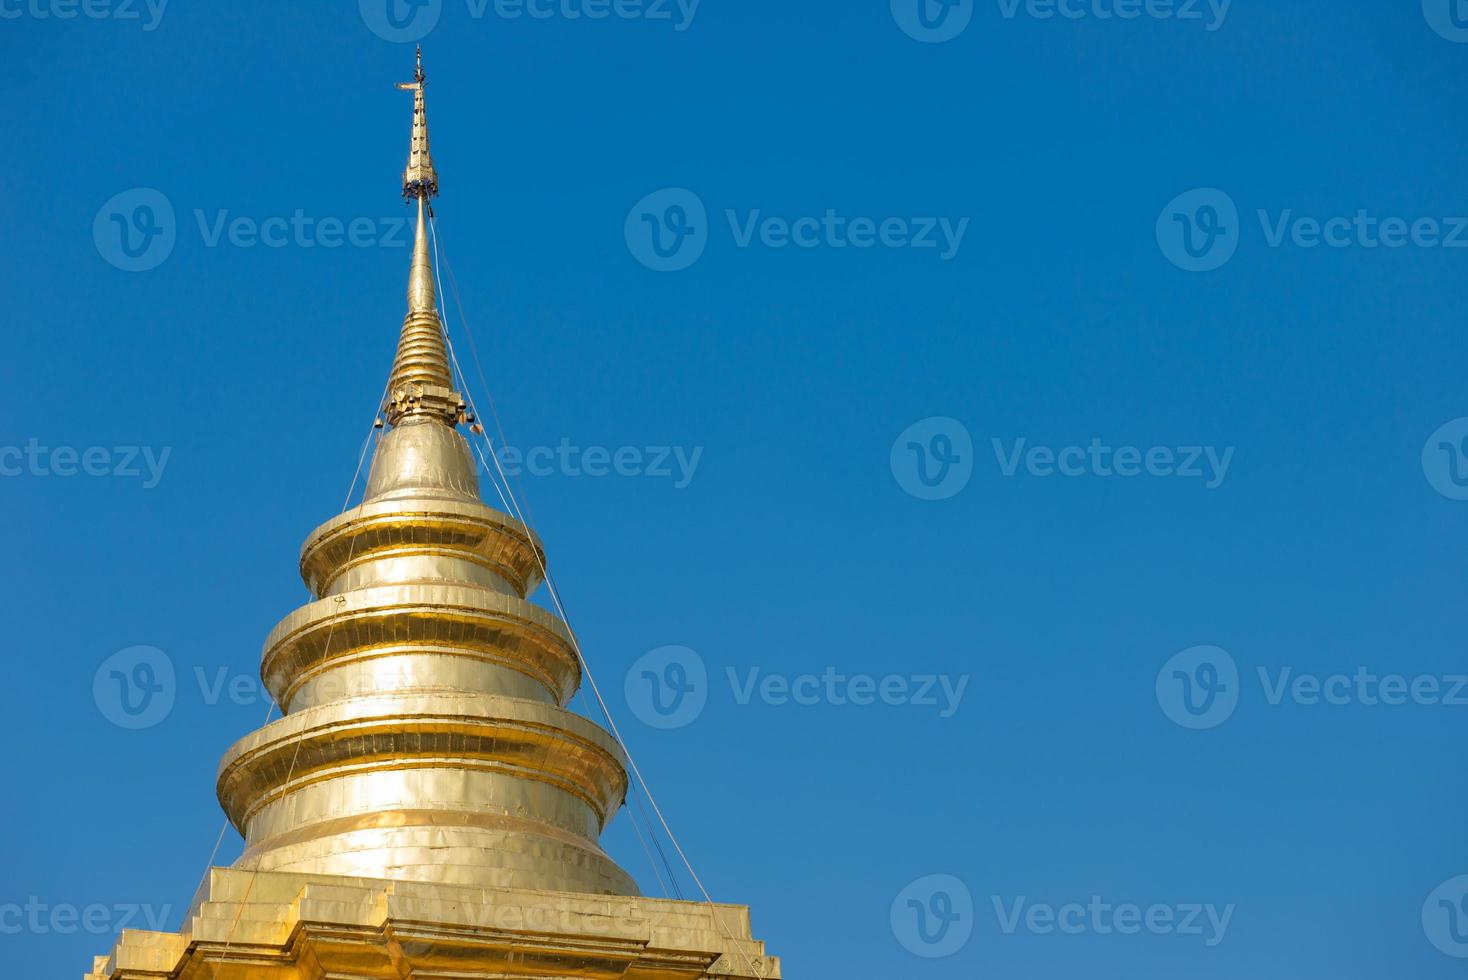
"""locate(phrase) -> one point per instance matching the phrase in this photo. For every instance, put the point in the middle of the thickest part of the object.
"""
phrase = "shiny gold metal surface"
(425, 736)
(420, 180)
(427, 807)
(273, 926)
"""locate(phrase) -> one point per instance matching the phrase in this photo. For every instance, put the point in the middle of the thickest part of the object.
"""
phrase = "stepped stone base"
(281, 926)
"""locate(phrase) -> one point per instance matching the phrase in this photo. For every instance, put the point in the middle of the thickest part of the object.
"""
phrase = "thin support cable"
(464, 387)
(576, 645)
(326, 653)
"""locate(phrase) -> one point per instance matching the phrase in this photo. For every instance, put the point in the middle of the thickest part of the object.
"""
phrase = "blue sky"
(900, 463)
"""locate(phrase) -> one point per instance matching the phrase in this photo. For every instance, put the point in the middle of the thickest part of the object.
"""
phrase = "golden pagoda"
(426, 806)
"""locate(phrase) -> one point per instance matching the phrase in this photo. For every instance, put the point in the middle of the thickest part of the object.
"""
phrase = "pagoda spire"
(428, 805)
(421, 385)
(425, 736)
(420, 180)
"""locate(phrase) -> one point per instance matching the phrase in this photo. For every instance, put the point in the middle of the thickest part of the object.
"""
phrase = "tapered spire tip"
(420, 180)
(421, 385)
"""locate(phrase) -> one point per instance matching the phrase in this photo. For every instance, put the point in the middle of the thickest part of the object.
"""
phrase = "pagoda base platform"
(280, 926)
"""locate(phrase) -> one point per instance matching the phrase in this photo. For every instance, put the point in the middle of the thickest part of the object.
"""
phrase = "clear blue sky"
(1063, 316)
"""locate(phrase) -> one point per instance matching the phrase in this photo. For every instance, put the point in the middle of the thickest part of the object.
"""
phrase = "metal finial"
(420, 179)
(421, 384)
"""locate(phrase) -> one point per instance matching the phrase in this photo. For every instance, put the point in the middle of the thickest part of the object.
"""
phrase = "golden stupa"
(426, 807)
